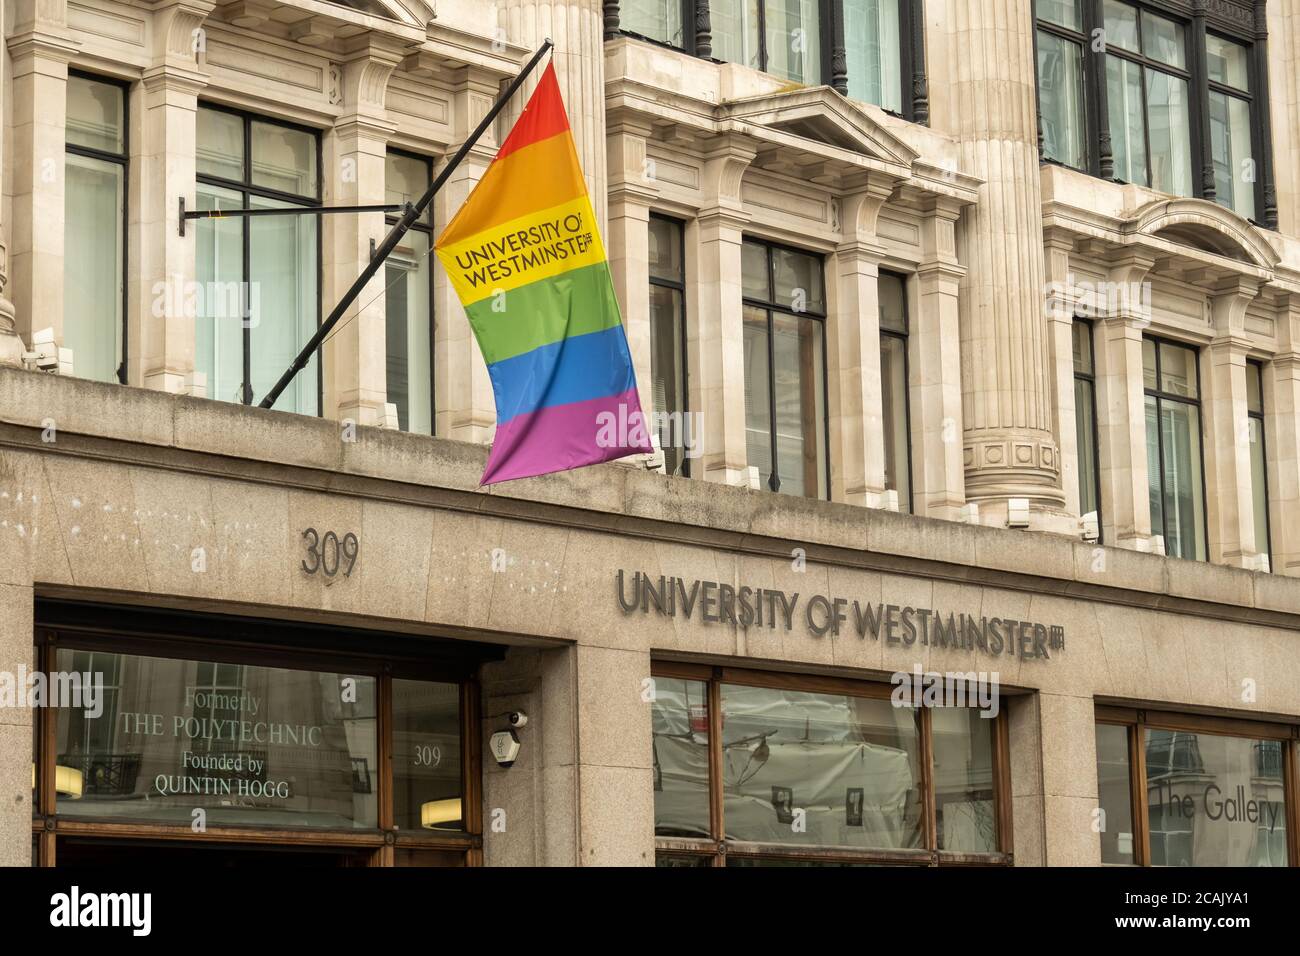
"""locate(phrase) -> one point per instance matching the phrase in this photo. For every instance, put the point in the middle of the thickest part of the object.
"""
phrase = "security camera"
(517, 718)
(504, 746)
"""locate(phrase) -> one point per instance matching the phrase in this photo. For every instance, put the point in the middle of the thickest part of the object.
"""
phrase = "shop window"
(94, 232)
(1085, 421)
(1171, 85)
(754, 769)
(1210, 792)
(1175, 468)
(408, 297)
(894, 386)
(1258, 457)
(785, 368)
(257, 278)
(234, 741)
(668, 342)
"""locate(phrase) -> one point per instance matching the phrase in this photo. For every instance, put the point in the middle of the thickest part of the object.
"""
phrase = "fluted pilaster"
(1009, 446)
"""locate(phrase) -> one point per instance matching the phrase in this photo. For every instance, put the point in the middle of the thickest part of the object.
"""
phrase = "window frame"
(1197, 25)
(906, 338)
(165, 635)
(1266, 546)
(1091, 378)
(123, 160)
(768, 307)
(680, 287)
(716, 849)
(697, 40)
(1138, 720)
(1162, 396)
(247, 190)
(426, 225)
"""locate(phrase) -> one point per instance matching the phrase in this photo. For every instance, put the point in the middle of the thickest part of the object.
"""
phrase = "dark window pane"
(94, 204)
(260, 746)
(680, 724)
(1060, 99)
(758, 384)
(1065, 13)
(816, 769)
(753, 268)
(427, 786)
(667, 384)
(893, 304)
(1115, 799)
(666, 249)
(1127, 119)
(1082, 342)
(872, 52)
(1178, 370)
(1085, 412)
(657, 19)
(893, 415)
(965, 810)
(797, 378)
(1183, 502)
(96, 115)
(799, 284)
(1214, 800)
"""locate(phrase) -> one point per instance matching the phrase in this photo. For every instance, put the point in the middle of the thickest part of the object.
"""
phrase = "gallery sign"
(713, 602)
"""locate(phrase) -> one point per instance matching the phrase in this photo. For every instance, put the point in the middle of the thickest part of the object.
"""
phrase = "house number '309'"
(325, 554)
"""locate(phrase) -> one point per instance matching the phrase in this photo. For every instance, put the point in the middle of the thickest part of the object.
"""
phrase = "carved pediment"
(822, 116)
(1207, 226)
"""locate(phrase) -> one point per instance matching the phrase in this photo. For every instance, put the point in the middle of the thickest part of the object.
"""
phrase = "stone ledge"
(615, 495)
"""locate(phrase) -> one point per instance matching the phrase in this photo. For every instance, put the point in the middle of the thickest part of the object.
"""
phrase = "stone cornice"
(213, 441)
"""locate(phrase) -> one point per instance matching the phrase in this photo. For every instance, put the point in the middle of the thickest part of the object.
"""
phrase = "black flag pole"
(400, 228)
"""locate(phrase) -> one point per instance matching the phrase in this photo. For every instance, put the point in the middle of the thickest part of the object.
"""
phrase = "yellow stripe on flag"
(539, 245)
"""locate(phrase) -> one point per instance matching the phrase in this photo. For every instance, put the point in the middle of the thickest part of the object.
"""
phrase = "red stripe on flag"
(542, 118)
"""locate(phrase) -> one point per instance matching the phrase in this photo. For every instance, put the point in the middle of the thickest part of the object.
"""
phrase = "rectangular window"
(1062, 42)
(1174, 463)
(335, 754)
(668, 341)
(1258, 458)
(94, 236)
(819, 772)
(1212, 792)
(1231, 131)
(873, 52)
(659, 20)
(781, 37)
(894, 384)
(785, 368)
(258, 278)
(1147, 90)
(408, 294)
(1085, 421)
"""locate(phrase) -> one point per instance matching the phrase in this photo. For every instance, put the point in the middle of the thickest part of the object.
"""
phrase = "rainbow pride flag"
(524, 255)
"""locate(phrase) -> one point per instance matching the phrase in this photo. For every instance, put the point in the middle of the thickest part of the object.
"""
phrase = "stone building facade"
(975, 328)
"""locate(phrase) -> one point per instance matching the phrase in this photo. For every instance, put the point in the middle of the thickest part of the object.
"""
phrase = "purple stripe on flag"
(560, 437)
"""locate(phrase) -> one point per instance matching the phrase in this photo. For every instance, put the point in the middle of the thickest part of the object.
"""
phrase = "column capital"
(178, 35)
(724, 169)
(365, 71)
(1228, 304)
(35, 49)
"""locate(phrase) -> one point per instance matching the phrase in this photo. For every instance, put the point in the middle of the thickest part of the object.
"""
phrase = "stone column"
(355, 356)
(627, 239)
(1282, 440)
(716, 338)
(40, 47)
(938, 474)
(992, 109)
(1230, 515)
(1121, 411)
(463, 398)
(577, 28)
(163, 170)
(853, 351)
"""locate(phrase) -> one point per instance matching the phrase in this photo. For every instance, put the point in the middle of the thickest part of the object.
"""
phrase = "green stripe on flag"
(577, 302)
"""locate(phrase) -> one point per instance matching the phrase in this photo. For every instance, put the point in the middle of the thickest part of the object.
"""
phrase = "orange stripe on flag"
(541, 175)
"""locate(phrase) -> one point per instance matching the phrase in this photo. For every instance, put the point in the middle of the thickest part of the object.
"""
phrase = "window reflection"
(816, 769)
(1214, 800)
